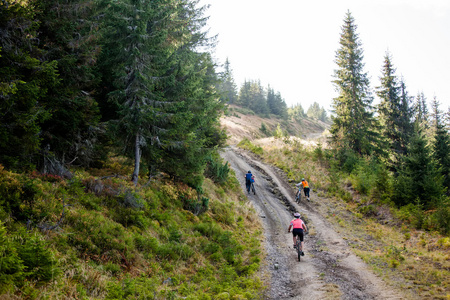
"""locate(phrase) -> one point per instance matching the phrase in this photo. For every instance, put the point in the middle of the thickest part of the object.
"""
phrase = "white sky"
(291, 44)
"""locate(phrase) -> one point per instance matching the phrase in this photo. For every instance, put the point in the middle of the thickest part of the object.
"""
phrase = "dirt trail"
(329, 270)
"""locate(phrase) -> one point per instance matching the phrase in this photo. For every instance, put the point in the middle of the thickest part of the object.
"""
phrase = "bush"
(11, 265)
(264, 129)
(217, 171)
(246, 144)
(195, 205)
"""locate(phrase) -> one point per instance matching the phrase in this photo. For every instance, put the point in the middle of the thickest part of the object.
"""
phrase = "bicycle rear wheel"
(253, 189)
(299, 252)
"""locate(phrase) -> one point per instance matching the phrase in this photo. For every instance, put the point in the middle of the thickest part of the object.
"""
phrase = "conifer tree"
(227, 86)
(253, 96)
(421, 111)
(25, 80)
(405, 123)
(418, 179)
(441, 143)
(68, 34)
(258, 98)
(296, 112)
(245, 94)
(353, 125)
(162, 85)
(315, 111)
(276, 103)
(393, 111)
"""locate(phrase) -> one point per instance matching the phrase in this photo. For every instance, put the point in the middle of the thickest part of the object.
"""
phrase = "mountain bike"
(298, 196)
(298, 247)
(252, 188)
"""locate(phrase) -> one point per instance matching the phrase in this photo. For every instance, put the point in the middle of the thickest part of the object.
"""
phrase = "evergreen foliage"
(276, 103)
(167, 108)
(394, 113)
(263, 102)
(297, 112)
(418, 179)
(317, 112)
(68, 33)
(26, 79)
(227, 87)
(441, 144)
(353, 125)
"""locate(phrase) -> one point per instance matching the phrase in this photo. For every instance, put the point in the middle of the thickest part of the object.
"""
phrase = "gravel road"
(329, 270)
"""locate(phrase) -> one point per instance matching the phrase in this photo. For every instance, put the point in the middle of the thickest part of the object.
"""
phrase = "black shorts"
(299, 232)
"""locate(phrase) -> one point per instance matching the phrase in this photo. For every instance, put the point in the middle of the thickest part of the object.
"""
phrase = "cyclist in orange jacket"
(305, 186)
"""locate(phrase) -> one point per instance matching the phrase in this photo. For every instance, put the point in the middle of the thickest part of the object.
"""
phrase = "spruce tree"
(245, 94)
(317, 112)
(353, 125)
(297, 112)
(163, 85)
(68, 32)
(441, 143)
(227, 87)
(418, 178)
(405, 122)
(276, 103)
(393, 112)
(258, 98)
(421, 111)
(25, 80)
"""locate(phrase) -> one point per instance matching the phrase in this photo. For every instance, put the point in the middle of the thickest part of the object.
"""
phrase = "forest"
(87, 85)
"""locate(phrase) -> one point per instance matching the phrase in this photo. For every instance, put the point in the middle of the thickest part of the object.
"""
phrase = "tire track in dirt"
(329, 270)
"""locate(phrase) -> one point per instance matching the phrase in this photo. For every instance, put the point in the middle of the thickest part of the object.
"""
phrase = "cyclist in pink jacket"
(298, 226)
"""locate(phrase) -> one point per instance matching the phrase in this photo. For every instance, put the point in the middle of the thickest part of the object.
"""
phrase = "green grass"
(117, 242)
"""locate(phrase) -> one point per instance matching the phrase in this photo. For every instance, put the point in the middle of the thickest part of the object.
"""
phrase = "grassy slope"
(415, 261)
(118, 242)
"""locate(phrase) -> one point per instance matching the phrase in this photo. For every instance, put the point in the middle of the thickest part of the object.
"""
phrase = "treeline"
(261, 100)
(83, 79)
(401, 145)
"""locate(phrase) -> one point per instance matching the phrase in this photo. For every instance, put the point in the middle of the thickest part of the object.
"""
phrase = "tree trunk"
(137, 160)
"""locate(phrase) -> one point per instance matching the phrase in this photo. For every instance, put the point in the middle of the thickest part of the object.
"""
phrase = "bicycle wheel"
(253, 189)
(299, 251)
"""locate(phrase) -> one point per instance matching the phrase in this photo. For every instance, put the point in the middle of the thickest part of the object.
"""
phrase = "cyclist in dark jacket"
(248, 180)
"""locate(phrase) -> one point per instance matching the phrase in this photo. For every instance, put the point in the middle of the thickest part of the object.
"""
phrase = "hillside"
(242, 123)
(97, 236)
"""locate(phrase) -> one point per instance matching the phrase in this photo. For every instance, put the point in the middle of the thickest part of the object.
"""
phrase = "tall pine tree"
(163, 85)
(69, 34)
(26, 77)
(353, 125)
(393, 113)
(226, 86)
(441, 143)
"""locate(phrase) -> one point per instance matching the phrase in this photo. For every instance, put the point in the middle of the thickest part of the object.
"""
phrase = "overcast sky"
(291, 44)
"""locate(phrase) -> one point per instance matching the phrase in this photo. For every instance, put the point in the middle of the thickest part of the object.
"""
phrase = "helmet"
(303, 179)
(249, 171)
(297, 215)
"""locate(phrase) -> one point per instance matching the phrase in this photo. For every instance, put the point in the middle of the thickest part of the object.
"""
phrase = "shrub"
(246, 144)
(264, 129)
(11, 265)
(37, 258)
(195, 205)
(217, 171)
